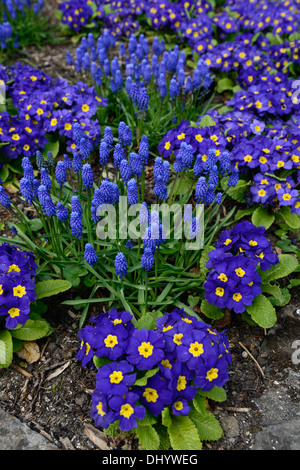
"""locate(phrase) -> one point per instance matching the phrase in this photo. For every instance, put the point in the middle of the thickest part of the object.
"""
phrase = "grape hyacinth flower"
(90, 255)
(87, 176)
(121, 265)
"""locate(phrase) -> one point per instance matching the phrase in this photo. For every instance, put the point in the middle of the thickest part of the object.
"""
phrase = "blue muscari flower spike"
(166, 174)
(87, 176)
(198, 166)
(77, 132)
(213, 176)
(218, 198)
(4, 198)
(77, 165)
(40, 161)
(147, 73)
(162, 85)
(158, 168)
(128, 85)
(121, 265)
(188, 85)
(61, 172)
(27, 190)
(129, 244)
(45, 179)
(209, 195)
(211, 160)
(121, 128)
(106, 67)
(127, 136)
(143, 99)
(132, 192)
(113, 85)
(68, 161)
(173, 89)
(50, 159)
(122, 49)
(103, 152)
(76, 205)
(108, 136)
(76, 225)
(118, 79)
(225, 163)
(42, 195)
(90, 254)
(234, 177)
(35, 187)
(181, 77)
(50, 209)
(136, 164)
(125, 171)
(147, 259)
(85, 147)
(187, 154)
(200, 190)
(155, 46)
(61, 212)
(119, 155)
(86, 61)
(69, 58)
(144, 214)
(194, 228)
(160, 189)
(144, 149)
(178, 164)
(94, 69)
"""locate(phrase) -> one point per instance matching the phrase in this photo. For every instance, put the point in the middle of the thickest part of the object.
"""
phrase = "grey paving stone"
(15, 435)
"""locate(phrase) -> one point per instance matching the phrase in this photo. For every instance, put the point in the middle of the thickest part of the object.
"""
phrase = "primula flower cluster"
(185, 354)
(45, 105)
(17, 284)
(233, 280)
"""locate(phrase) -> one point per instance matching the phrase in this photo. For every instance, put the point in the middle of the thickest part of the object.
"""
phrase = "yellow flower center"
(14, 268)
(237, 296)
(220, 291)
(110, 341)
(146, 349)
(126, 410)
(181, 383)
(177, 337)
(100, 409)
(212, 374)
(19, 291)
(223, 277)
(116, 377)
(240, 272)
(151, 395)
(178, 405)
(196, 349)
(14, 312)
